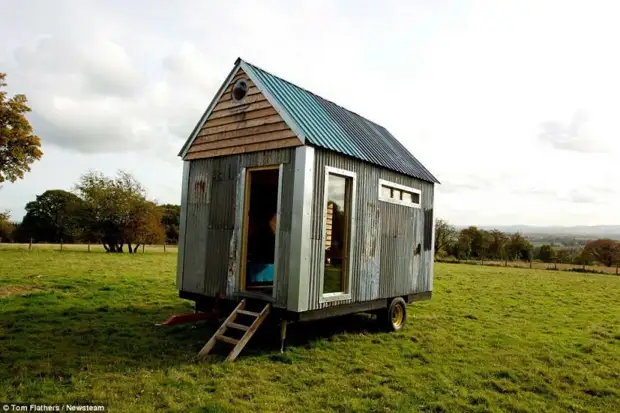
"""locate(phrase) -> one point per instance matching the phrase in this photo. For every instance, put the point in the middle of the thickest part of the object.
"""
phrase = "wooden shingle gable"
(231, 127)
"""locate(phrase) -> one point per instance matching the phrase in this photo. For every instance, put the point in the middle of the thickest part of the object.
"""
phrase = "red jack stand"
(213, 315)
(185, 318)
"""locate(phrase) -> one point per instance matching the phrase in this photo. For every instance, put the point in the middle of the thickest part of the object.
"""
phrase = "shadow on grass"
(267, 338)
(61, 343)
(55, 342)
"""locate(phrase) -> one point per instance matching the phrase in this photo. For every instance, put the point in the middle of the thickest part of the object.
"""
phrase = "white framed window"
(339, 196)
(399, 194)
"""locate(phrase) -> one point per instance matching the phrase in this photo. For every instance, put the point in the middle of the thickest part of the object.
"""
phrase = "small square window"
(386, 191)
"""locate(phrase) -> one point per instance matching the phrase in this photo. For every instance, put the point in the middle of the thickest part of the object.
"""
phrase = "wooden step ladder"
(230, 322)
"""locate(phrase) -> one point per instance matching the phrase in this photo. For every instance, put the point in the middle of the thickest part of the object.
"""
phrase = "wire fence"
(87, 247)
(173, 248)
(596, 269)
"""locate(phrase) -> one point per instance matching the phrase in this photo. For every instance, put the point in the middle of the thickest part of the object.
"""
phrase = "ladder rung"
(230, 323)
(226, 339)
(238, 326)
(250, 313)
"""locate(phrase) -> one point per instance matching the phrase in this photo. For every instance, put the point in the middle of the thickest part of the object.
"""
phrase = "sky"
(512, 105)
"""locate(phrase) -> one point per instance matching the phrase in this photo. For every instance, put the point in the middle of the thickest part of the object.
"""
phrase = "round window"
(239, 90)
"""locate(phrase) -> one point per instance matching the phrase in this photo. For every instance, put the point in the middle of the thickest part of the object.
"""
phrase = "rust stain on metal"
(199, 186)
(232, 256)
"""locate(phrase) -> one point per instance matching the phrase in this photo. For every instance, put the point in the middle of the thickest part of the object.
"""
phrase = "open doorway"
(260, 230)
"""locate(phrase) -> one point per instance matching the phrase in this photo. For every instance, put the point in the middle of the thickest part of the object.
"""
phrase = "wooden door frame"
(245, 224)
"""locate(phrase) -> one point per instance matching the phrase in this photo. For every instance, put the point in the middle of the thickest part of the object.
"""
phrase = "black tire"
(395, 316)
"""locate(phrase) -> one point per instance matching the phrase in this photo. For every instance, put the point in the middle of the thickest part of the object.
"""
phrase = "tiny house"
(294, 201)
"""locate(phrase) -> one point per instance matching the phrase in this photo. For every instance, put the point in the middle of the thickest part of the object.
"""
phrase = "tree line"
(113, 211)
(116, 212)
(479, 244)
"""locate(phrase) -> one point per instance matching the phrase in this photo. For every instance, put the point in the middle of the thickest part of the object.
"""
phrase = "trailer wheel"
(396, 315)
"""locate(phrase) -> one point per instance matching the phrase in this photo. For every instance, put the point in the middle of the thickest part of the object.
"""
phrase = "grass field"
(79, 327)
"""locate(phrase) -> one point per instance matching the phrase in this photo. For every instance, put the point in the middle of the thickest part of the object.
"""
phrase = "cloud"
(467, 182)
(117, 85)
(574, 135)
(91, 95)
(87, 66)
(592, 194)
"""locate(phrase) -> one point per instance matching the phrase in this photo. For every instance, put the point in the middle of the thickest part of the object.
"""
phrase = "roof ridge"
(309, 91)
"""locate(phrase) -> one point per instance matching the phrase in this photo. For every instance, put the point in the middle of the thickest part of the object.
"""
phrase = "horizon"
(510, 107)
(537, 226)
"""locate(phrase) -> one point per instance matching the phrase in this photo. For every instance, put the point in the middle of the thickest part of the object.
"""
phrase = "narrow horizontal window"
(399, 194)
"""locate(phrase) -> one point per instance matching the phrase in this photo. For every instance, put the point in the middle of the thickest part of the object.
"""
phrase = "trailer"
(296, 207)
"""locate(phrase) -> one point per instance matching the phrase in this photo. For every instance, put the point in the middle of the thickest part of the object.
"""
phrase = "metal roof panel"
(330, 126)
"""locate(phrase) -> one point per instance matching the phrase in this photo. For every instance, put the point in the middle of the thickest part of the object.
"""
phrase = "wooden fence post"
(61, 244)
(88, 245)
(142, 248)
(30, 245)
(164, 246)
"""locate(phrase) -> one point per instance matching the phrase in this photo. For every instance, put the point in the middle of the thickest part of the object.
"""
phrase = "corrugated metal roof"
(327, 125)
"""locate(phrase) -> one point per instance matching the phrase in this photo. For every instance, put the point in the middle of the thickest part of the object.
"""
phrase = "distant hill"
(581, 231)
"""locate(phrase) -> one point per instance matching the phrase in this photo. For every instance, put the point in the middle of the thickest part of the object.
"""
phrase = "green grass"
(79, 327)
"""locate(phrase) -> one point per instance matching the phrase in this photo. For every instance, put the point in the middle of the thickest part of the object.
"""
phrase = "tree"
(445, 235)
(472, 242)
(583, 258)
(464, 242)
(6, 226)
(53, 217)
(519, 248)
(18, 235)
(606, 251)
(19, 146)
(171, 218)
(116, 211)
(499, 242)
(484, 241)
(110, 207)
(567, 255)
(144, 226)
(547, 253)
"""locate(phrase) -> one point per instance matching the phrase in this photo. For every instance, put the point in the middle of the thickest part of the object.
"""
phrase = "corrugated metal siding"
(211, 231)
(198, 204)
(285, 224)
(384, 263)
(329, 126)
(398, 244)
